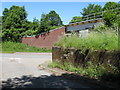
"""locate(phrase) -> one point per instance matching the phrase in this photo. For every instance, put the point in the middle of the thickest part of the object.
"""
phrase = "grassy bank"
(94, 41)
(12, 47)
(91, 71)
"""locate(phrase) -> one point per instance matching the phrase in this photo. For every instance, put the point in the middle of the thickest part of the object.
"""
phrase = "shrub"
(95, 41)
(91, 70)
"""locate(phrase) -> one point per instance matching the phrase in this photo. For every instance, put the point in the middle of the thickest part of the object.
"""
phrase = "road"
(20, 70)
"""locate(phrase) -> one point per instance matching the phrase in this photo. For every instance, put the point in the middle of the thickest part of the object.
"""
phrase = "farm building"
(48, 39)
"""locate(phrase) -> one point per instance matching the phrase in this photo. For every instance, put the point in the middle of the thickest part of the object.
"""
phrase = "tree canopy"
(92, 8)
(110, 15)
(111, 5)
(15, 25)
(50, 21)
(0, 23)
(0, 19)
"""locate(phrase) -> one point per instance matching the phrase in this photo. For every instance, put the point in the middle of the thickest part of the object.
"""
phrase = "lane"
(17, 65)
(20, 71)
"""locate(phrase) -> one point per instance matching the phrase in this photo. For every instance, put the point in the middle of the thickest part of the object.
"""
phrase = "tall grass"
(91, 70)
(95, 41)
(11, 47)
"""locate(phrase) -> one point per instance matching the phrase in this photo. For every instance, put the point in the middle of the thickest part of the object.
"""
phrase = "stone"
(81, 57)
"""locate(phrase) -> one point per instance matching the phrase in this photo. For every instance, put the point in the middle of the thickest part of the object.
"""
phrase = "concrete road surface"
(20, 70)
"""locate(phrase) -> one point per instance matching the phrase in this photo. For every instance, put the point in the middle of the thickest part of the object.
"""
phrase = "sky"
(66, 10)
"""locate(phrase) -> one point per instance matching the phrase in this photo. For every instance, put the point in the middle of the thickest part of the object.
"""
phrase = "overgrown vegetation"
(95, 41)
(91, 70)
(102, 37)
(12, 47)
(15, 24)
(110, 13)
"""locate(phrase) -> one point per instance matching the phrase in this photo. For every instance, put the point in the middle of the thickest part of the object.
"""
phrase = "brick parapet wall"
(45, 40)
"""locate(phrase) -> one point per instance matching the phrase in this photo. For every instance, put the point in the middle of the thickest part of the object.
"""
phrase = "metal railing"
(98, 15)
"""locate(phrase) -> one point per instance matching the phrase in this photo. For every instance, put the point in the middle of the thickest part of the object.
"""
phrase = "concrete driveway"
(20, 70)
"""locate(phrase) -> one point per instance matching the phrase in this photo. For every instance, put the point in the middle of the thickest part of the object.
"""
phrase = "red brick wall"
(46, 40)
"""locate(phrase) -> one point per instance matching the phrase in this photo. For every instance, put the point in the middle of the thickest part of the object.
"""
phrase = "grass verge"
(12, 47)
(90, 71)
(95, 41)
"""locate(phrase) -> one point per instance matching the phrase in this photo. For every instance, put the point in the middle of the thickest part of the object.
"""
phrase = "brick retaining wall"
(46, 40)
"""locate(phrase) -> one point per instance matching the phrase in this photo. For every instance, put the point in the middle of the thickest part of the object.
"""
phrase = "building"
(82, 28)
(48, 39)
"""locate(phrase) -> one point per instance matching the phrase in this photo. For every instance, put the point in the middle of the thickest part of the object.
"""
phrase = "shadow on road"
(40, 82)
(67, 81)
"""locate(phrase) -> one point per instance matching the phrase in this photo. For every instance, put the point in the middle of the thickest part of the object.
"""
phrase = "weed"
(94, 41)
(11, 47)
(91, 70)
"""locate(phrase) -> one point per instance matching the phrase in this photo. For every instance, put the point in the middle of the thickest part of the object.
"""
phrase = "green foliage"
(53, 64)
(92, 8)
(14, 17)
(76, 19)
(33, 27)
(110, 15)
(91, 70)
(36, 24)
(0, 19)
(101, 28)
(0, 23)
(19, 47)
(95, 41)
(14, 23)
(49, 21)
(111, 5)
(94, 70)
(44, 24)
(65, 66)
(54, 19)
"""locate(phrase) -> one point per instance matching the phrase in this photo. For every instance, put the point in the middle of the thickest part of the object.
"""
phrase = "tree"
(110, 6)
(76, 19)
(54, 19)
(112, 13)
(50, 20)
(0, 23)
(5, 14)
(35, 25)
(14, 23)
(0, 19)
(92, 8)
(43, 24)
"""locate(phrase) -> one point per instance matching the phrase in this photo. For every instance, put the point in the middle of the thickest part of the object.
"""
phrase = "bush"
(95, 41)
(91, 70)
